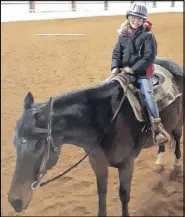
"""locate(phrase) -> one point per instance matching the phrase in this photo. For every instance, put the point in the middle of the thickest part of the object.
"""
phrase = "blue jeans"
(146, 88)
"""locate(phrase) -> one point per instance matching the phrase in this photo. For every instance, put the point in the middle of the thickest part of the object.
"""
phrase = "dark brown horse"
(81, 118)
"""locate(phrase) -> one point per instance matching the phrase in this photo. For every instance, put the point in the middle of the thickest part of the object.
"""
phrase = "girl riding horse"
(135, 52)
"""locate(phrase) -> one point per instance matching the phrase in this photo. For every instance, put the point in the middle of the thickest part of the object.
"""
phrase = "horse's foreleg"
(99, 165)
(160, 155)
(125, 177)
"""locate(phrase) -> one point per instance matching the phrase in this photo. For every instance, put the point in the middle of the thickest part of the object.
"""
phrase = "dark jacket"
(137, 51)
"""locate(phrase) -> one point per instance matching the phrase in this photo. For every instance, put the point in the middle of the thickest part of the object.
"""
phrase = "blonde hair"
(125, 27)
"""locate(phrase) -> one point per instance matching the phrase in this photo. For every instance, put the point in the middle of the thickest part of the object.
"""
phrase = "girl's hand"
(115, 71)
(128, 70)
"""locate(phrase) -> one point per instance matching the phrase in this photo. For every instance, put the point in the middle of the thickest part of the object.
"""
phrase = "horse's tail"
(177, 71)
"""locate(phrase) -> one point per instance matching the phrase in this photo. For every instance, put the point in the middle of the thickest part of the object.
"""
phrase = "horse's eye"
(23, 140)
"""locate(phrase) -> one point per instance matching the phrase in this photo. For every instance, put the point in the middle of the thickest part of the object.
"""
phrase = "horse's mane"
(98, 92)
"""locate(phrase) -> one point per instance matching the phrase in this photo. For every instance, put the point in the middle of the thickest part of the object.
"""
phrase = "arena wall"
(41, 10)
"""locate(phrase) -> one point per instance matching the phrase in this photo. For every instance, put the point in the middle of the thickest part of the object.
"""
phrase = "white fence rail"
(40, 10)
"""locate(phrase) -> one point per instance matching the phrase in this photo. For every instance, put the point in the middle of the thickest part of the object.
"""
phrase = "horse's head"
(35, 152)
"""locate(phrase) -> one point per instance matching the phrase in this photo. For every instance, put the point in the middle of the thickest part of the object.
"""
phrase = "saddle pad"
(165, 92)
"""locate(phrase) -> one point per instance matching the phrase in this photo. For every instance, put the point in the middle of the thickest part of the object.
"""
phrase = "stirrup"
(161, 137)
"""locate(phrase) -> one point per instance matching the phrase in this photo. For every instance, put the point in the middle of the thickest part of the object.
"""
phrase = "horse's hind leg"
(176, 152)
(125, 177)
(99, 165)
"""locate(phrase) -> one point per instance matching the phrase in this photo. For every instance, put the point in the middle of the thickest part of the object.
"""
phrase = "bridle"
(43, 169)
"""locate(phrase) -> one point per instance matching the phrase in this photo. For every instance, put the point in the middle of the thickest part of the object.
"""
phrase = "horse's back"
(174, 68)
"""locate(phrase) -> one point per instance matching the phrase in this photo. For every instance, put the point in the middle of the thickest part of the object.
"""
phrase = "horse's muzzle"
(17, 204)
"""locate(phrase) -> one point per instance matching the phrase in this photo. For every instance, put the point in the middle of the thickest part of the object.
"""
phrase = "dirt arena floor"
(49, 66)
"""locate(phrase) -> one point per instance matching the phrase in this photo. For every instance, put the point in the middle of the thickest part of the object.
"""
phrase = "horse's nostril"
(17, 205)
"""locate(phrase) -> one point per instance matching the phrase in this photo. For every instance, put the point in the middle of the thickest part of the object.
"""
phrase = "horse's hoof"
(177, 164)
(160, 159)
(102, 214)
(173, 175)
(158, 187)
(159, 168)
(176, 170)
(125, 214)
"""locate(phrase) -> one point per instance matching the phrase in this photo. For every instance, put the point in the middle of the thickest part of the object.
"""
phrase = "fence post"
(173, 4)
(32, 6)
(73, 5)
(106, 5)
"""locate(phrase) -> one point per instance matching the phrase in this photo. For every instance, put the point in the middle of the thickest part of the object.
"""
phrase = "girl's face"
(135, 22)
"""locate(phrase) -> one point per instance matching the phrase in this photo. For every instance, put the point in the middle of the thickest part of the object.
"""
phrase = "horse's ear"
(48, 107)
(46, 111)
(28, 101)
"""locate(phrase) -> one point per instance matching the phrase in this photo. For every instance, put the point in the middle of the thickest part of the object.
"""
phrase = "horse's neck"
(81, 117)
